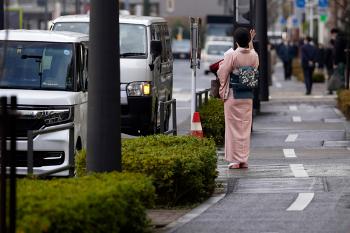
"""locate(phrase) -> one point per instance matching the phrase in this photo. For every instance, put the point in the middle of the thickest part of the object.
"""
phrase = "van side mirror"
(156, 48)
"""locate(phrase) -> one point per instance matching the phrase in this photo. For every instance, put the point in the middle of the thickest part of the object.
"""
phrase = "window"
(38, 65)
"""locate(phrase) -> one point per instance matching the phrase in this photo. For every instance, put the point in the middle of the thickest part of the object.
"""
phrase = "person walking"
(238, 104)
(339, 53)
(308, 57)
(285, 53)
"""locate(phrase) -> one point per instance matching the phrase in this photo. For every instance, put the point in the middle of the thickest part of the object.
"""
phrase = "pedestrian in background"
(339, 56)
(238, 103)
(328, 62)
(286, 54)
(308, 57)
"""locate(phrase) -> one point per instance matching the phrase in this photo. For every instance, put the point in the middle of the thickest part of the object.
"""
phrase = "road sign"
(323, 18)
(283, 21)
(323, 3)
(300, 3)
(295, 21)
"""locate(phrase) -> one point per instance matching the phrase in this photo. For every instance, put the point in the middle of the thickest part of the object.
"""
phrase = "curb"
(171, 227)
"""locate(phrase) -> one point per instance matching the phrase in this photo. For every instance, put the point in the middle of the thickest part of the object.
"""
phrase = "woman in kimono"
(238, 104)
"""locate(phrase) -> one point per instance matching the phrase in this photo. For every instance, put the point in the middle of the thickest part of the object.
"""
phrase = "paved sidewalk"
(299, 169)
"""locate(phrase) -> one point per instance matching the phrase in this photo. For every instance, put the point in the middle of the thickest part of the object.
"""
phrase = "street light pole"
(103, 139)
(2, 15)
(261, 27)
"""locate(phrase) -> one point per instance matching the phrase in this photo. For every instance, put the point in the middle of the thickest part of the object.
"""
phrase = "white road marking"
(278, 85)
(298, 170)
(293, 108)
(296, 119)
(302, 201)
(291, 138)
(289, 153)
(338, 112)
(348, 148)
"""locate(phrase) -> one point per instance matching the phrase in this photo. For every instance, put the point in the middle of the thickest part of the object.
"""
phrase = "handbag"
(214, 88)
(248, 76)
(335, 83)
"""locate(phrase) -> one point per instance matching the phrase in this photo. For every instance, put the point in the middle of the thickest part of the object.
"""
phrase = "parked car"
(181, 48)
(146, 64)
(213, 52)
(47, 71)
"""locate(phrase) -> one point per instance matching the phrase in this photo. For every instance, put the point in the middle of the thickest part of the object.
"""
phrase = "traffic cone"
(196, 126)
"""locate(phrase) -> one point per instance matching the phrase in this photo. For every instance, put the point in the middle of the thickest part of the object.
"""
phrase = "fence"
(33, 133)
(7, 159)
(199, 98)
(163, 110)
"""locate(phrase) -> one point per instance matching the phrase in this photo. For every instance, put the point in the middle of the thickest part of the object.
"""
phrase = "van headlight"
(55, 116)
(139, 89)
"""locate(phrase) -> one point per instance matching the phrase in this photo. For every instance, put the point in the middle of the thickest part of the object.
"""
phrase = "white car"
(47, 71)
(146, 68)
(213, 52)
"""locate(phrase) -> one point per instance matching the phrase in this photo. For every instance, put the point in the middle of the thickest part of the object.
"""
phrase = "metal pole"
(162, 120)
(30, 148)
(194, 38)
(347, 73)
(311, 29)
(103, 139)
(46, 15)
(3, 224)
(2, 15)
(174, 118)
(12, 160)
(261, 26)
(77, 6)
(146, 7)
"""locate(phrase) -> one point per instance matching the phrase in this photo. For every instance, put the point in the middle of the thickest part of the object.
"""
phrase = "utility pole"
(261, 29)
(311, 28)
(103, 139)
(146, 7)
(77, 6)
(2, 15)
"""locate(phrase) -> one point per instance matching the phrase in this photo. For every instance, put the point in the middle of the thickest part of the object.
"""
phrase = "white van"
(47, 71)
(146, 64)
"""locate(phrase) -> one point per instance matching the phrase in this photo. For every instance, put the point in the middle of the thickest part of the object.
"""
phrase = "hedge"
(213, 120)
(344, 102)
(98, 203)
(182, 168)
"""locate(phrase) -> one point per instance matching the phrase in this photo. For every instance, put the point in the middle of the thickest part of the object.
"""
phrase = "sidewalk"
(299, 169)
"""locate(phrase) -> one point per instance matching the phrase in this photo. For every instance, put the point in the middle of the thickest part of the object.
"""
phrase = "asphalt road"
(298, 178)
(182, 91)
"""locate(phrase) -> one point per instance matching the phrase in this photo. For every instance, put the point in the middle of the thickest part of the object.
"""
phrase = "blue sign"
(323, 3)
(283, 21)
(300, 3)
(295, 22)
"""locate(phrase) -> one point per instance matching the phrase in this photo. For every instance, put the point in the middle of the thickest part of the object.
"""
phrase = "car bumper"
(50, 151)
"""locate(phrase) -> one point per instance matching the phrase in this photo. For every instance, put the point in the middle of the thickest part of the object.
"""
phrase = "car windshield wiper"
(131, 54)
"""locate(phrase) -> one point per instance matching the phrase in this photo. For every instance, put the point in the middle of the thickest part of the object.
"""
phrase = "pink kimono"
(238, 112)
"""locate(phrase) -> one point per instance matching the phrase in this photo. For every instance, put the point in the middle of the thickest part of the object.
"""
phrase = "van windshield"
(80, 27)
(37, 65)
(132, 37)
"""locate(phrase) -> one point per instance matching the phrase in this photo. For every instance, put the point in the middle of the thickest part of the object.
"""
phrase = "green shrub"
(318, 77)
(183, 168)
(344, 102)
(213, 120)
(98, 203)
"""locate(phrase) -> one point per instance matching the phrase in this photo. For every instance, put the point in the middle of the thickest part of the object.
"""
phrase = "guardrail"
(199, 98)
(163, 107)
(33, 133)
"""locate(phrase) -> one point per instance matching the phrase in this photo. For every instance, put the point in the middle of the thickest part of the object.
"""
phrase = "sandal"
(233, 166)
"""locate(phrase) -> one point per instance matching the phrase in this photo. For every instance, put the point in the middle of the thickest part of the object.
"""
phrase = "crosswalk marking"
(291, 138)
(298, 170)
(289, 153)
(302, 201)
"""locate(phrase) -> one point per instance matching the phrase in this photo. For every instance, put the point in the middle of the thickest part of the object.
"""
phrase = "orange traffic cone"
(196, 126)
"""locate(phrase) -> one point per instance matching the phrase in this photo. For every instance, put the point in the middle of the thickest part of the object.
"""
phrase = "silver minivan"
(146, 64)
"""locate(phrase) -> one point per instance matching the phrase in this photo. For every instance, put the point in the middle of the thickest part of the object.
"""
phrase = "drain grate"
(277, 185)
